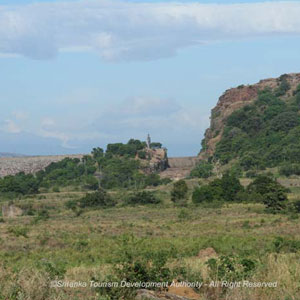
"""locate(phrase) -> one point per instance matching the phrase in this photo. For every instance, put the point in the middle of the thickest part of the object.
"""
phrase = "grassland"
(86, 246)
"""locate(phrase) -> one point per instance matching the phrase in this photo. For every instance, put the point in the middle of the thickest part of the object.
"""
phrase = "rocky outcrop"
(236, 98)
(11, 211)
(156, 160)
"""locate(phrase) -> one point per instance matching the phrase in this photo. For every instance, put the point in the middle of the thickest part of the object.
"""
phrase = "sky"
(80, 74)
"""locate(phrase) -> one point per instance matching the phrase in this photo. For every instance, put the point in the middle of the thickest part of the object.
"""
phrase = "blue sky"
(81, 74)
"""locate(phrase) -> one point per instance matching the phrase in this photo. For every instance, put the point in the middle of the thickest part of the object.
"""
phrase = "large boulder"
(11, 211)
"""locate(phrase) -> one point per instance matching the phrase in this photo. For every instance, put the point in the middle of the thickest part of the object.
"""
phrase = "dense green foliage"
(179, 192)
(289, 169)
(97, 199)
(19, 184)
(263, 189)
(223, 189)
(202, 170)
(273, 194)
(115, 168)
(265, 133)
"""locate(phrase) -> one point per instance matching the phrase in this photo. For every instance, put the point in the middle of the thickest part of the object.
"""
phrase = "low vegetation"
(106, 219)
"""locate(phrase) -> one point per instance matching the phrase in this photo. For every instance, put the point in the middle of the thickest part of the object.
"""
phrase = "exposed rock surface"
(11, 211)
(234, 99)
(29, 164)
(157, 160)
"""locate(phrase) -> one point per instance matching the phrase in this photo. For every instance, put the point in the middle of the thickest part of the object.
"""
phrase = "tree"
(230, 187)
(203, 194)
(221, 189)
(273, 193)
(155, 145)
(202, 170)
(91, 182)
(97, 153)
(179, 191)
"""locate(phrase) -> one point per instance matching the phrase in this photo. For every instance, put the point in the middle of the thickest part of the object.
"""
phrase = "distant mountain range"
(6, 154)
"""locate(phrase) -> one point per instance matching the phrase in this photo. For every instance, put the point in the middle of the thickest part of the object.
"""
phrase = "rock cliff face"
(236, 98)
(157, 160)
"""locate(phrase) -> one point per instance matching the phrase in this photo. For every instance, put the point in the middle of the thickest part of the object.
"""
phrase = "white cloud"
(163, 118)
(136, 31)
(14, 123)
(20, 115)
(11, 127)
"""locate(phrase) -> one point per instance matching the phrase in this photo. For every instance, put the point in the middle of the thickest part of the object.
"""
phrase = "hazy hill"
(6, 154)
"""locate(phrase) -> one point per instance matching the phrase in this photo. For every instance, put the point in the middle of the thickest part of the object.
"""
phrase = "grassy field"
(85, 246)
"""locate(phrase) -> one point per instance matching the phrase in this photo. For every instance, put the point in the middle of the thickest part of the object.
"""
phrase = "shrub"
(142, 154)
(19, 231)
(91, 182)
(230, 268)
(42, 215)
(283, 244)
(97, 199)
(202, 170)
(297, 206)
(179, 191)
(142, 198)
(203, 194)
(153, 180)
(251, 174)
(135, 265)
(19, 184)
(289, 169)
(230, 187)
(226, 188)
(273, 193)
(55, 189)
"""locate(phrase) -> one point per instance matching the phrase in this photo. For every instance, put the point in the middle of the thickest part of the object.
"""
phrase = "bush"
(135, 265)
(251, 174)
(42, 215)
(273, 193)
(179, 192)
(230, 187)
(202, 170)
(142, 154)
(19, 184)
(91, 182)
(142, 198)
(289, 169)
(97, 199)
(224, 189)
(203, 194)
(230, 268)
(19, 231)
(297, 206)
(153, 180)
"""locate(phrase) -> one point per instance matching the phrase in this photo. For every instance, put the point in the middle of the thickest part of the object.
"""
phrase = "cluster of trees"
(289, 169)
(20, 184)
(265, 133)
(220, 189)
(264, 189)
(114, 168)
